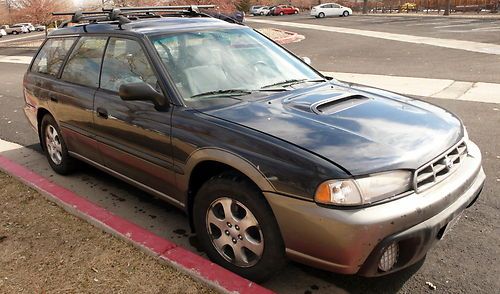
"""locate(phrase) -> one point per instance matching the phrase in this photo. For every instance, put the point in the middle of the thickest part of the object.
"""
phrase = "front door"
(134, 138)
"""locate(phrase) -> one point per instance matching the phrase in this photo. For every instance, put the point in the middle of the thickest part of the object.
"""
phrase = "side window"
(125, 62)
(336, 6)
(84, 63)
(51, 56)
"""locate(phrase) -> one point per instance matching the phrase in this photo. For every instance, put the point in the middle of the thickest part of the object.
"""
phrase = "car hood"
(361, 129)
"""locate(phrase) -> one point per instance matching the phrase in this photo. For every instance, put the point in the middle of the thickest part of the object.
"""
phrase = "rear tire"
(55, 148)
(282, 13)
(237, 229)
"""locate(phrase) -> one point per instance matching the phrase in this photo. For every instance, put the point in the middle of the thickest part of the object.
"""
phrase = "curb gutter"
(164, 250)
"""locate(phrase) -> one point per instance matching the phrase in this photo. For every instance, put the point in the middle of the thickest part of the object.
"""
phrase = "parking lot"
(466, 261)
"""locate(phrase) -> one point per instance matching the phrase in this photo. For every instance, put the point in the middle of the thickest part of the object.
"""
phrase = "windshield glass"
(228, 62)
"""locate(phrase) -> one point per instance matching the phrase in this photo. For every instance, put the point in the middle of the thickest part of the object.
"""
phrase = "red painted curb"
(175, 255)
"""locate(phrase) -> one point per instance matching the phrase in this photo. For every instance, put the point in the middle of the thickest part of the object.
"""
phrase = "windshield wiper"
(232, 92)
(293, 82)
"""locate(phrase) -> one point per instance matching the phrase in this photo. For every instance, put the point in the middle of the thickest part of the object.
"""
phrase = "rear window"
(51, 56)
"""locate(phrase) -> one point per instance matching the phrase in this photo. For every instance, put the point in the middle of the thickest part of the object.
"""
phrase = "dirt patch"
(281, 36)
(43, 249)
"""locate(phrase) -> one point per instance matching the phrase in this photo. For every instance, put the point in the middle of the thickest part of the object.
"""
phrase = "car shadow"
(390, 283)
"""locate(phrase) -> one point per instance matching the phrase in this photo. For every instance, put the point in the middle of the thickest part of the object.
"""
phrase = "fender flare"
(228, 158)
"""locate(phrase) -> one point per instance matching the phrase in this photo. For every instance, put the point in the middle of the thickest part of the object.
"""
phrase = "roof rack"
(124, 15)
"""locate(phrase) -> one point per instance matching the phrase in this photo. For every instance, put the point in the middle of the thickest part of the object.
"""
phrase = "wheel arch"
(40, 113)
(206, 163)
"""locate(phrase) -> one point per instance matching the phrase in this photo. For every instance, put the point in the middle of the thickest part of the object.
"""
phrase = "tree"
(37, 11)
(447, 7)
(243, 5)
(365, 6)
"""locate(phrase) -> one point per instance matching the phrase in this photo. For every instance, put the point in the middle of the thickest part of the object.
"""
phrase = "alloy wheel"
(53, 144)
(235, 232)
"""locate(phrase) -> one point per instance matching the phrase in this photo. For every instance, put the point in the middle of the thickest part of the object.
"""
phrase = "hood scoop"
(338, 103)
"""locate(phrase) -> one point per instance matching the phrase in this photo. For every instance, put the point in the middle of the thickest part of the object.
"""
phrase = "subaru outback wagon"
(269, 159)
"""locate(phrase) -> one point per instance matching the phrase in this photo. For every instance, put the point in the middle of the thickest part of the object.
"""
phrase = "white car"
(264, 10)
(3, 33)
(28, 25)
(24, 29)
(330, 9)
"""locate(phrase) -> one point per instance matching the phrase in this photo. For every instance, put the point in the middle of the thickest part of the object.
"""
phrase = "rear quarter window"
(51, 57)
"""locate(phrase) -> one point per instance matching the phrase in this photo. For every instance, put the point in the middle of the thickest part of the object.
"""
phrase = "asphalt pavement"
(343, 52)
(466, 261)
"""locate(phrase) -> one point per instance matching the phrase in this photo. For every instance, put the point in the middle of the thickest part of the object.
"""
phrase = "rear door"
(336, 10)
(73, 99)
(134, 138)
(41, 79)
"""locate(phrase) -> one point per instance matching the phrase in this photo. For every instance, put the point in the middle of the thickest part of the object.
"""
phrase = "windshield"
(228, 62)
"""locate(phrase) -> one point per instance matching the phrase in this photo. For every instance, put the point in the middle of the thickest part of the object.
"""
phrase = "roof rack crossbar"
(187, 7)
(123, 14)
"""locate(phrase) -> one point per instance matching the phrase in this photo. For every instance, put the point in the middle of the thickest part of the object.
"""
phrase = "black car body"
(273, 148)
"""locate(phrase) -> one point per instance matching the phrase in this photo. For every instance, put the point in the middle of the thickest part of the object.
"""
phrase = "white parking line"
(424, 87)
(445, 43)
(21, 38)
(15, 59)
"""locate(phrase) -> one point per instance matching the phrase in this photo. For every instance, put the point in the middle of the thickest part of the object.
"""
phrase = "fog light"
(389, 257)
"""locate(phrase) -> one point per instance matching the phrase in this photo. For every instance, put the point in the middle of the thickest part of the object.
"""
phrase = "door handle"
(101, 112)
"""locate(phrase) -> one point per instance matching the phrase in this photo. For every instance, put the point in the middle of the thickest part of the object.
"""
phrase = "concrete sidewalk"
(434, 88)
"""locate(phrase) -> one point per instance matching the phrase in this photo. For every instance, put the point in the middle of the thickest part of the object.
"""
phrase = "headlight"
(363, 190)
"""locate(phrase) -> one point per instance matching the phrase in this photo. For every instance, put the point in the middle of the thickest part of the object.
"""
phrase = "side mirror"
(307, 60)
(143, 92)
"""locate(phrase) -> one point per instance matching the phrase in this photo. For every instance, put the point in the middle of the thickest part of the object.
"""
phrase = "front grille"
(440, 168)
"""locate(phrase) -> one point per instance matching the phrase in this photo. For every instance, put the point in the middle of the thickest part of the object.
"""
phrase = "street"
(466, 261)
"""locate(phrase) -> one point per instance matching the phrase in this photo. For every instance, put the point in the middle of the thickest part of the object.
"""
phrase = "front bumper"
(351, 241)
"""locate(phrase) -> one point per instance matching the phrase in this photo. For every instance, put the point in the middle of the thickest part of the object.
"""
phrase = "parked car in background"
(28, 25)
(40, 28)
(13, 30)
(24, 29)
(271, 10)
(264, 10)
(285, 9)
(3, 33)
(330, 9)
(254, 10)
(407, 7)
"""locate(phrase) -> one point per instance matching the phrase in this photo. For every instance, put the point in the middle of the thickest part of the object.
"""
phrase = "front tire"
(237, 229)
(282, 13)
(321, 15)
(345, 13)
(55, 147)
